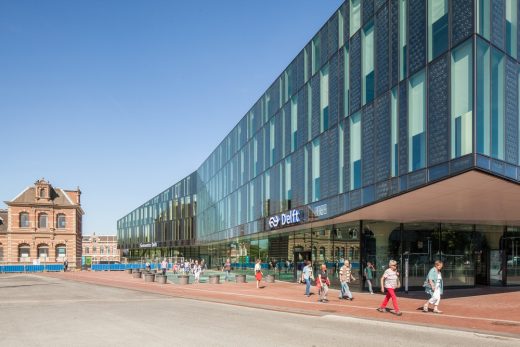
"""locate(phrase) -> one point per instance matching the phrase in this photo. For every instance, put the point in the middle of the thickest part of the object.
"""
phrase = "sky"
(123, 98)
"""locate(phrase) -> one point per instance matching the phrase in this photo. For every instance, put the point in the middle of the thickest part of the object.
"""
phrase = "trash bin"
(214, 279)
(161, 279)
(183, 279)
(240, 278)
(149, 277)
(270, 278)
(136, 274)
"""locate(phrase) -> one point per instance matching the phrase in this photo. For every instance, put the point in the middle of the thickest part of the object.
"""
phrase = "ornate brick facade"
(44, 225)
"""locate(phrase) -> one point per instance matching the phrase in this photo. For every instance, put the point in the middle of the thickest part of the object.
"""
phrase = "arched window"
(61, 251)
(42, 193)
(101, 249)
(60, 221)
(86, 250)
(24, 220)
(24, 252)
(42, 220)
(43, 251)
(108, 250)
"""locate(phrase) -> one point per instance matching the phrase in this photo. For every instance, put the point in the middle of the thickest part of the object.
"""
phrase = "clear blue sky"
(124, 97)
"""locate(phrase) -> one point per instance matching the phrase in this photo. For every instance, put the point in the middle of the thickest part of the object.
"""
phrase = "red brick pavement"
(484, 310)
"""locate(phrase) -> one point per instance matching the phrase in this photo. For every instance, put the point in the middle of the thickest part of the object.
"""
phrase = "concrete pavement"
(482, 310)
(48, 311)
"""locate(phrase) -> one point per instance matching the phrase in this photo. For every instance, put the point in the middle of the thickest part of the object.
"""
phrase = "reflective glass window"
(437, 27)
(511, 25)
(367, 51)
(403, 38)
(394, 133)
(417, 122)
(324, 98)
(316, 170)
(461, 100)
(346, 80)
(355, 16)
(483, 18)
(483, 100)
(341, 157)
(355, 151)
(294, 121)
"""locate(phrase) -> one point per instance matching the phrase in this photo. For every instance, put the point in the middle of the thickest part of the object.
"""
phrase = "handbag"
(398, 283)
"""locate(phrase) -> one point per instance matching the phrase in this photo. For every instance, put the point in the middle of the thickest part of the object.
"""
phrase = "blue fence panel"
(54, 267)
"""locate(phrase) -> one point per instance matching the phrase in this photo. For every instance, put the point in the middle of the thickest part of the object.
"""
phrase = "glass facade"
(374, 106)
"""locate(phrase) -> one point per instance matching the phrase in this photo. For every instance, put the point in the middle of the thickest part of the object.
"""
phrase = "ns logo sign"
(285, 219)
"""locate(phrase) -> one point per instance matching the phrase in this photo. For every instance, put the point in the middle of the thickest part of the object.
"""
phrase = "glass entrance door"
(512, 249)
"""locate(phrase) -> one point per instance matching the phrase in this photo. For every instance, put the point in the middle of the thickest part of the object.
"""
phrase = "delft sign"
(286, 219)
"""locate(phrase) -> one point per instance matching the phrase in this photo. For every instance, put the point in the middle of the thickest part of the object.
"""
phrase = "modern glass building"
(393, 134)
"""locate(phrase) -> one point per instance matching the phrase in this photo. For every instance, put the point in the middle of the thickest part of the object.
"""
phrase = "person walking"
(345, 276)
(307, 277)
(369, 275)
(196, 271)
(258, 272)
(389, 282)
(434, 286)
(227, 269)
(323, 283)
(65, 265)
(164, 266)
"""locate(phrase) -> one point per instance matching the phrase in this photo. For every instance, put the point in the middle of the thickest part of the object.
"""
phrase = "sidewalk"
(483, 310)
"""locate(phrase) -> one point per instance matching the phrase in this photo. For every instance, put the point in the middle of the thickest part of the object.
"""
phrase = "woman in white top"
(196, 271)
(434, 287)
(389, 283)
(258, 272)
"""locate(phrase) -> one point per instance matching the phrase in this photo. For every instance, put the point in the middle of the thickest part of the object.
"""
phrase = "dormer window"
(42, 193)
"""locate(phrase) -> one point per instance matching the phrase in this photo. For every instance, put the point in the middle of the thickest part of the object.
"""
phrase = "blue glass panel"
(440, 36)
(357, 174)
(418, 150)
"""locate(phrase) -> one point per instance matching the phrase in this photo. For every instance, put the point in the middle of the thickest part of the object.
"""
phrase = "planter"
(161, 279)
(240, 278)
(184, 279)
(128, 271)
(149, 277)
(214, 279)
(136, 274)
(270, 278)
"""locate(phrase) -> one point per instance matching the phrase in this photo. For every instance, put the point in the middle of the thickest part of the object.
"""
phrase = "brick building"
(42, 224)
(101, 248)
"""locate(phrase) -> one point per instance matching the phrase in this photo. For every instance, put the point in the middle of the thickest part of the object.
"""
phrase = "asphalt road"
(41, 311)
